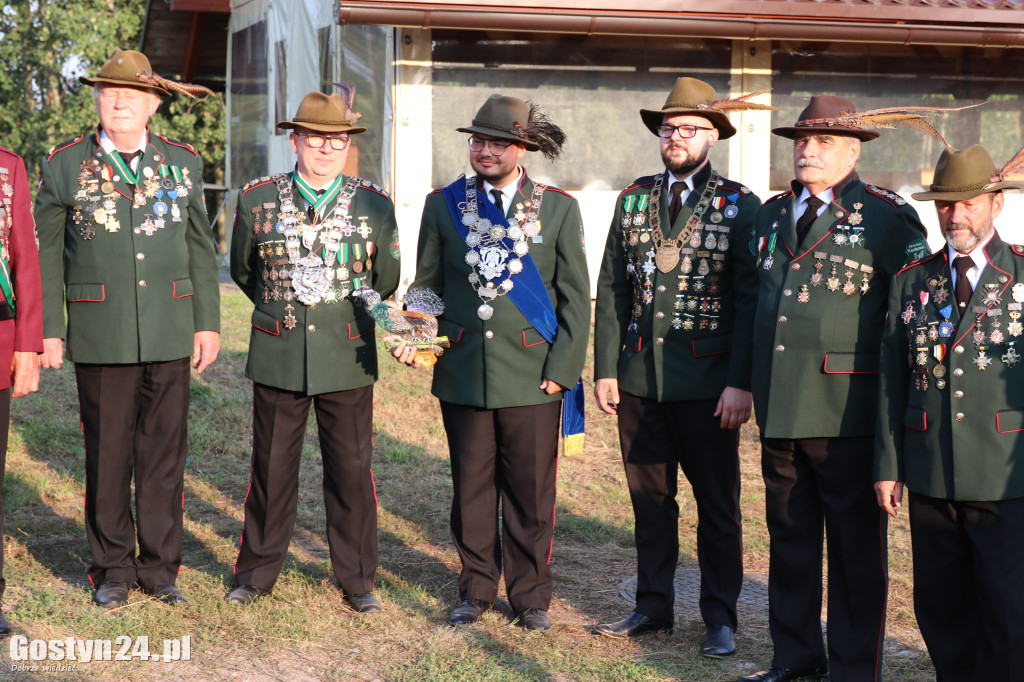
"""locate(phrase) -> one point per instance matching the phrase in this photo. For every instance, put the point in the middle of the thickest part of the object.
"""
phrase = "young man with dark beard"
(677, 286)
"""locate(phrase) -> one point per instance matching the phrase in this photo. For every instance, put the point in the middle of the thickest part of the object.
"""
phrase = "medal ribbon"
(309, 194)
(125, 170)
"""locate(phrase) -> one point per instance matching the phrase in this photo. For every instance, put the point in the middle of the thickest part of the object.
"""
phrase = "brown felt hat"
(693, 98)
(822, 117)
(324, 114)
(504, 118)
(126, 68)
(963, 175)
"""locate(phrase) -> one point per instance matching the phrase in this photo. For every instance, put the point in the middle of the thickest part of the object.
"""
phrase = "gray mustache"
(810, 163)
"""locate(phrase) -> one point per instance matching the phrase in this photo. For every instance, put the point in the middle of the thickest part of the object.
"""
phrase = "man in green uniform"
(125, 244)
(677, 286)
(506, 256)
(827, 250)
(303, 242)
(951, 411)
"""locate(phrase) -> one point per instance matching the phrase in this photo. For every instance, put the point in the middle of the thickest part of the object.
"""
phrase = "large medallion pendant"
(667, 257)
(484, 312)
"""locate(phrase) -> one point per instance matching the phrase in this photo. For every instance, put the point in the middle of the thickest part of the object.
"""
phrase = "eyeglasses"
(685, 132)
(317, 141)
(497, 148)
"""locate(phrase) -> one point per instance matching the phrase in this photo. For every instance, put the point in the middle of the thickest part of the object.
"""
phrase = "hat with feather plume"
(963, 175)
(517, 121)
(692, 97)
(129, 68)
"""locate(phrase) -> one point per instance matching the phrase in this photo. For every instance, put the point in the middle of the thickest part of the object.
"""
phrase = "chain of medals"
(6, 216)
(921, 331)
(487, 255)
(667, 251)
(312, 275)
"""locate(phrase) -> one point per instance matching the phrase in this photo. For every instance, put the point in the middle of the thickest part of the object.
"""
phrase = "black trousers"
(344, 422)
(657, 439)
(508, 454)
(969, 586)
(5, 423)
(135, 419)
(816, 486)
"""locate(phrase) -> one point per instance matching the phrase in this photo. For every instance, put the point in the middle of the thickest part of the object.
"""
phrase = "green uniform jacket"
(815, 350)
(330, 347)
(501, 362)
(679, 346)
(957, 434)
(131, 297)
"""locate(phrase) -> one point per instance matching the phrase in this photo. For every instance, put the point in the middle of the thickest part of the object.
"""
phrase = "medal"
(716, 217)
(484, 312)
(982, 361)
(289, 318)
(804, 295)
(1010, 357)
(731, 211)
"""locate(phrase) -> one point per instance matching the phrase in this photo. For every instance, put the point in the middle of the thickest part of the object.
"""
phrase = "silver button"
(787, 292)
(959, 416)
(140, 256)
(958, 372)
(661, 288)
(489, 334)
(311, 328)
(783, 319)
(660, 341)
(779, 348)
(958, 350)
(795, 266)
(958, 394)
(659, 315)
(142, 282)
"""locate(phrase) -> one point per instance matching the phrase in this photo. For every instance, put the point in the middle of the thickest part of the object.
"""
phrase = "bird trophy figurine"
(417, 324)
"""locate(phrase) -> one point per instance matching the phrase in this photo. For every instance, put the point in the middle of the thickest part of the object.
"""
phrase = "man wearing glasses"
(303, 242)
(827, 251)
(677, 288)
(506, 255)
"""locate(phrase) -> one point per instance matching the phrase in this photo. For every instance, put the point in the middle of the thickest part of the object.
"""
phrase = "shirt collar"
(508, 192)
(825, 196)
(977, 254)
(108, 145)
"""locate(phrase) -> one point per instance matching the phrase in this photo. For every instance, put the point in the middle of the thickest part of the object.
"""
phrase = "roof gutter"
(677, 24)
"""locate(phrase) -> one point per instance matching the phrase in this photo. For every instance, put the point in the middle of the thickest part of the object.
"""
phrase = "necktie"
(963, 285)
(496, 193)
(676, 204)
(803, 226)
(128, 157)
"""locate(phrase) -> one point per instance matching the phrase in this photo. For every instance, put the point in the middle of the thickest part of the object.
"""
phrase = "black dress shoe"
(773, 674)
(636, 624)
(363, 603)
(245, 594)
(719, 642)
(5, 626)
(536, 620)
(168, 594)
(469, 611)
(110, 595)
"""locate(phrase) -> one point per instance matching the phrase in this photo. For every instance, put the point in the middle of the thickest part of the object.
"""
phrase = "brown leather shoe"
(469, 611)
(245, 594)
(363, 603)
(168, 594)
(535, 620)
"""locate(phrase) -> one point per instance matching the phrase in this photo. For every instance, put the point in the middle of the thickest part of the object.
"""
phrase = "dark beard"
(684, 168)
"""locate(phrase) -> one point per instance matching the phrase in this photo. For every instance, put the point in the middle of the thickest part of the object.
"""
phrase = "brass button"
(660, 341)
(140, 256)
(779, 348)
(661, 288)
(311, 327)
(958, 372)
(787, 292)
(958, 394)
(489, 334)
(959, 416)
(796, 266)
(958, 350)
(659, 314)
(142, 282)
(783, 319)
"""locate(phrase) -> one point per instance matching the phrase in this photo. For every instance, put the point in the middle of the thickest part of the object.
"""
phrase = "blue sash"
(531, 297)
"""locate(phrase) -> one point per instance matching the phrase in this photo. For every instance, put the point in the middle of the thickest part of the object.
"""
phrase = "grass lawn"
(304, 631)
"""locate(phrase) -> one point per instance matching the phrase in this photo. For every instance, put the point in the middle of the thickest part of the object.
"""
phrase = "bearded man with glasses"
(677, 287)
(505, 253)
(303, 242)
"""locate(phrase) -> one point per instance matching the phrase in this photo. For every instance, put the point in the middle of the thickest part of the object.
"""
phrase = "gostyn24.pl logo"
(123, 648)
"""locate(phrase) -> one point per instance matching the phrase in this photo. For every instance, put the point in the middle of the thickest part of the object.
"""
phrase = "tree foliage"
(46, 44)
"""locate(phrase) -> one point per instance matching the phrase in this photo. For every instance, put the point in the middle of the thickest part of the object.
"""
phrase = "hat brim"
(322, 127)
(791, 132)
(500, 135)
(125, 84)
(652, 119)
(964, 195)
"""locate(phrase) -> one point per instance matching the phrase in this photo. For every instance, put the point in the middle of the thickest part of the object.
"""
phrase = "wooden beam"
(219, 6)
(195, 40)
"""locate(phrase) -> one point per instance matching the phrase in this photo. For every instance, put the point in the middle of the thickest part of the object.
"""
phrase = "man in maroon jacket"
(21, 310)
